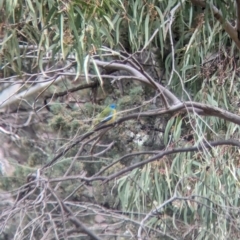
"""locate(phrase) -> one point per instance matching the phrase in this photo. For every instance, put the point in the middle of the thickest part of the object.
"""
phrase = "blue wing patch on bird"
(108, 115)
(108, 118)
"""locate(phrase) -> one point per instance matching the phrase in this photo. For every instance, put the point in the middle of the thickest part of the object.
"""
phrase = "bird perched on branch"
(107, 116)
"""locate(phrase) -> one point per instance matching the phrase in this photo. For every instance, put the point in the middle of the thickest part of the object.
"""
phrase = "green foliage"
(17, 180)
(136, 94)
(124, 102)
(156, 182)
(88, 108)
(59, 123)
(92, 168)
(56, 108)
(75, 126)
(106, 194)
(35, 158)
(56, 42)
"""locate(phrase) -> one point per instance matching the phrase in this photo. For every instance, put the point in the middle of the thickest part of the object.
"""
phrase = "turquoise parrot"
(107, 116)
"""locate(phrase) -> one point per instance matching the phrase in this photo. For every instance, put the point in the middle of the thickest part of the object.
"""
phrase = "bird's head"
(113, 106)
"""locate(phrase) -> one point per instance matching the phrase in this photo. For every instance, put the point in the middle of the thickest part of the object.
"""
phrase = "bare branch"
(231, 142)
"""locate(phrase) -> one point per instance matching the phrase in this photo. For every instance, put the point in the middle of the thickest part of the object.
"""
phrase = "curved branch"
(218, 15)
(140, 77)
(202, 109)
(161, 154)
(74, 89)
(200, 147)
